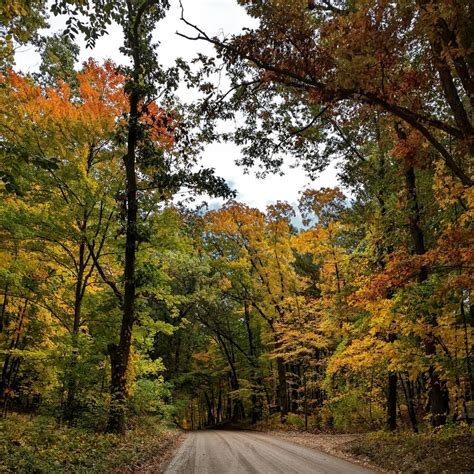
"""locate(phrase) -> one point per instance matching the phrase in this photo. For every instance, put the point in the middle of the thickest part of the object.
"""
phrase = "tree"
(63, 135)
(310, 66)
(149, 132)
(262, 247)
(20, 21)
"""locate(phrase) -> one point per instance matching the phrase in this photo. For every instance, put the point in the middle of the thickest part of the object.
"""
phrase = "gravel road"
(239, 452)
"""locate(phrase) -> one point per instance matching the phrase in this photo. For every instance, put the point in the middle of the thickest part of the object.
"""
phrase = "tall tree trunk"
(383, 250)
(211, 421)
(282, 389)
(237, 411)
(3, 309)
(392, 402)
(305, 402)
(293, 391)
(438, 393)
(192, 415)
(468, 350)
(70, 409)
(219, 403)
(408, 391)
(10, 361)
(120, 354)
(256, 405)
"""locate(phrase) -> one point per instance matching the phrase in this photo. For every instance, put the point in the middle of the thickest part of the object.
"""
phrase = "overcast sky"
(214, 16)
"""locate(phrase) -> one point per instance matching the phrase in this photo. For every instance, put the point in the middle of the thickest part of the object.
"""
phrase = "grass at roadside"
(38, 445)
(444, 450)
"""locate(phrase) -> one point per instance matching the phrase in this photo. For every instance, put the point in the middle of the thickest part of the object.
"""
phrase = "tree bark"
(407, 390)
(256, 405)
(10, 361)
(382, 251)
(438, 394)
(120, 354)
(3, 309)
(392, 402)
(70, 409)
(282, 389)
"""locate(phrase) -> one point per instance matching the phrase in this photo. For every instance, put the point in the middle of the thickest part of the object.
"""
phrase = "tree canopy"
(118, 301)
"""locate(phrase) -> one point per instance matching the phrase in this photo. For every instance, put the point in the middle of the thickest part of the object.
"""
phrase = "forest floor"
(447, 450)
(431, 452)
(40, 445)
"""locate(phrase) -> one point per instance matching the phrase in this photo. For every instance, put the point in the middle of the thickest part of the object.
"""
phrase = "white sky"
(214, 16)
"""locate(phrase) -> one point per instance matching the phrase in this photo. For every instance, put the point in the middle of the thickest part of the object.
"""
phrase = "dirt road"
(239, 452)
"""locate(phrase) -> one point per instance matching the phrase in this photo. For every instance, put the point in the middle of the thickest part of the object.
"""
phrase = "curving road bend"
(239, 452)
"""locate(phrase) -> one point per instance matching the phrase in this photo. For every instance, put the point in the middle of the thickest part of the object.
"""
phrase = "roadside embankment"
(443, 450)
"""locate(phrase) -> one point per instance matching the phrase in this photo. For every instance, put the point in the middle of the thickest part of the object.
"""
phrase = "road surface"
(240, 452)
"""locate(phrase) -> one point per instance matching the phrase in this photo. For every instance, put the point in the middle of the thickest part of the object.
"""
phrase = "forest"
(131, 310)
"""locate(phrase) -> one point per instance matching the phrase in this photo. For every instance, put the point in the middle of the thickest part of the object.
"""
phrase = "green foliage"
(58, 60)
(149, 398)
(295, 420)
(20, 21)
(352, 412)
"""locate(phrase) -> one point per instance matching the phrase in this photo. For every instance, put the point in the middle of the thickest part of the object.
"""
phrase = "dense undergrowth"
(39, 445)
(450, 449)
